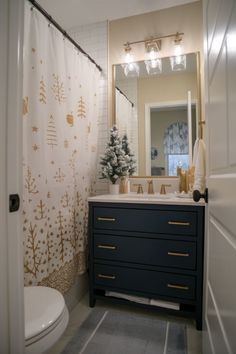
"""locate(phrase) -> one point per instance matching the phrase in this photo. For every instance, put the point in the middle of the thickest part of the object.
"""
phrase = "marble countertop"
(167, 199)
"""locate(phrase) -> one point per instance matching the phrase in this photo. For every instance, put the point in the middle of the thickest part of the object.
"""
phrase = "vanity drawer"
(145, 220)
(156, 252)
(145, 281)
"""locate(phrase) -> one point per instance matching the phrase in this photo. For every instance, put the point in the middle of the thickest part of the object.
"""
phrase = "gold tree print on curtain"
(70, 119)
(58, 89)
(72, 165)
(61, 235)
(49, 243)
(51, 132)
(30, 182)
(32, 249)
(25, 105)
(81, 111)
(41, 211)
(57, 175)
(65, 200)
(42, 91)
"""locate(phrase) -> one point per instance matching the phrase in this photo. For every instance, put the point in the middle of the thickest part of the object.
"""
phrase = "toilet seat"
(46, 317)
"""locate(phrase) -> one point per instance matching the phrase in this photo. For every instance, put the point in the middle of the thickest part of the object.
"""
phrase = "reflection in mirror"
(159, 113)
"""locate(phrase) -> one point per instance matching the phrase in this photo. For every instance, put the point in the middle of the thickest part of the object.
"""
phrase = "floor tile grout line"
(93, 333)
(166, 339)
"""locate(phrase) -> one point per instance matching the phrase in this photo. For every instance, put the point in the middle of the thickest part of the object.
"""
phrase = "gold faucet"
(163, 188)
(150, 187)
(140, 188)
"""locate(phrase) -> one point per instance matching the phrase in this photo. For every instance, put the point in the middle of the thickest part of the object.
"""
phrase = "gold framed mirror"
(160, 113)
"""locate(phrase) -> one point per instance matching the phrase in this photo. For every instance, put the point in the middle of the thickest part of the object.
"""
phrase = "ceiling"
(74, 13)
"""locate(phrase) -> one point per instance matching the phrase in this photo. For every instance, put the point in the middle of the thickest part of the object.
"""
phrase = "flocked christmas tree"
(114, 161)
(128, 155)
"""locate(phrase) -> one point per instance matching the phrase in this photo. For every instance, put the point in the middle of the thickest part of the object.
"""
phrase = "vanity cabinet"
(154, 251)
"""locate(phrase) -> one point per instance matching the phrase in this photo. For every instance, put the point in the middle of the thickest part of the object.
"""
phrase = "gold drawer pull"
(107, 247)
(106, 276)
(181, 287)
(179, 223)
(177, 254)
(105, 219)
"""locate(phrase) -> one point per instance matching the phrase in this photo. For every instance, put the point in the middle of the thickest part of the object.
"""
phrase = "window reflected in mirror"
(152, 109)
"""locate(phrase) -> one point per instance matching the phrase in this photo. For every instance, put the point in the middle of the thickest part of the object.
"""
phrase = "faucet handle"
(163, 188)
(150, 187)
(140, 188)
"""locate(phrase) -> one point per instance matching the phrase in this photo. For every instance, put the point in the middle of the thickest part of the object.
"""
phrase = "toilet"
(46, 318)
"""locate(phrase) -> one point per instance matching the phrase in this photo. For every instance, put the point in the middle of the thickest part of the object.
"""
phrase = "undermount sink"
(148, 196)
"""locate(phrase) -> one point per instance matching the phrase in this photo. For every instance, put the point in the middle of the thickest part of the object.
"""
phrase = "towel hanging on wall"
(199, 163)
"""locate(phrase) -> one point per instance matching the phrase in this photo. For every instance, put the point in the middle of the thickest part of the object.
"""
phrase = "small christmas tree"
(129, 156)
(114, 163)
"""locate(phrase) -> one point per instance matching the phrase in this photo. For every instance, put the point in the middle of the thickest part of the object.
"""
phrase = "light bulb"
(153, 63)
(153, 66)
(178, 62)
(152, 54)
(178, 59)
(129, 58)
(178, 50)
(131, 66)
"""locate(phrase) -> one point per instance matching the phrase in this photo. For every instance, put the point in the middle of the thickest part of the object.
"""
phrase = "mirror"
(159, 112)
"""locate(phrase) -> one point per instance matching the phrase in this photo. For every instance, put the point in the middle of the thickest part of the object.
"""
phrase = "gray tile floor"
(82, 310)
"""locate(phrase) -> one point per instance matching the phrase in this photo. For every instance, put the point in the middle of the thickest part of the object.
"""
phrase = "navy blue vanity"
(151, 249)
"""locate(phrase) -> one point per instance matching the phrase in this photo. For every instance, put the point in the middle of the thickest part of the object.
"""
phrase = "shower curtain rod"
(125, 96)
(65, 34)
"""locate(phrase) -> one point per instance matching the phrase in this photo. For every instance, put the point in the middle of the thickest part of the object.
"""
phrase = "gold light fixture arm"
(177, 35)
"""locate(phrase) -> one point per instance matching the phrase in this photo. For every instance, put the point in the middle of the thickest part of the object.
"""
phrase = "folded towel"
(139, 299)
(199, 164)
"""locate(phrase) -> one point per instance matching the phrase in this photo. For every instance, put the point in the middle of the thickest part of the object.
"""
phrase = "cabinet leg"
(199, 324)
(92, 300)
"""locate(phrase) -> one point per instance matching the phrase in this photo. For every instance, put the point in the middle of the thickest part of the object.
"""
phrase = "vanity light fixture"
(130, 67)
(153, 66)
(153, 46)
(177, 43)
(128, 55)
(178, 61)
(153, 62)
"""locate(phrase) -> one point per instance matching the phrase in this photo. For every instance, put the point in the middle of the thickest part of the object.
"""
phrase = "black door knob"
(197, 195)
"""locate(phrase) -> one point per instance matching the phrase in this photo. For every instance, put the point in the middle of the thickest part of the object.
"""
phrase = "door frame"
(11, 241)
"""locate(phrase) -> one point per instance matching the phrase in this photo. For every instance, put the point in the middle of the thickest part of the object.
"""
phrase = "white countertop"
(168, 199)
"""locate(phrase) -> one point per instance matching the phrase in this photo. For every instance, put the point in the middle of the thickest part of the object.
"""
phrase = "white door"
(220, 60)
(11, 242)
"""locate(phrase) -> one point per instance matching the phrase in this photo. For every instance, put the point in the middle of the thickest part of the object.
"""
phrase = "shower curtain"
(124, 114)
(60, 131)
(126, 121)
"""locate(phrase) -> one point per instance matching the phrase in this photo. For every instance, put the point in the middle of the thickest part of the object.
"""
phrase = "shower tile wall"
(93, 38)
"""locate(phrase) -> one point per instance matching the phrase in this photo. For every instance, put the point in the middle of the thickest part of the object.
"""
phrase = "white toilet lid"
(43, 306)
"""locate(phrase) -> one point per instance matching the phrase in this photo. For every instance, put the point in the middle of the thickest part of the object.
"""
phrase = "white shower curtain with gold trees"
(60, 124)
